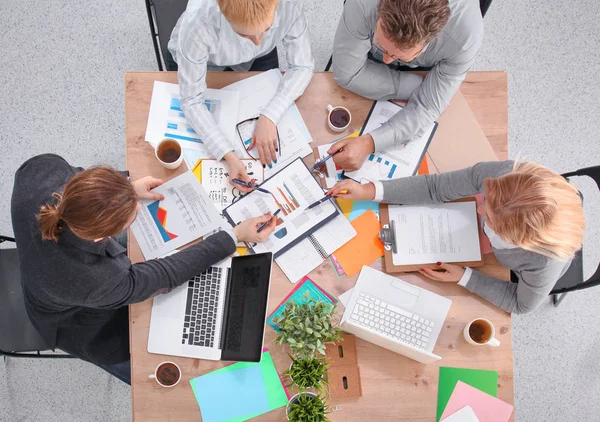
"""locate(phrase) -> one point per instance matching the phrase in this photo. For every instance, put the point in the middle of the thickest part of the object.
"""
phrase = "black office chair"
(573, 280)
(162, 16)
(484, 5)
(18, 337)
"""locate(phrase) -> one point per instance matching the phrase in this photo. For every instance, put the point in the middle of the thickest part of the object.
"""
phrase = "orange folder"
(364, 248)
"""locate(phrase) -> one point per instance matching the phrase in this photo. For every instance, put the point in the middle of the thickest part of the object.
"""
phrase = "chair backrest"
(162, 16)
(17, 333)
(484, 5)
(574, 281)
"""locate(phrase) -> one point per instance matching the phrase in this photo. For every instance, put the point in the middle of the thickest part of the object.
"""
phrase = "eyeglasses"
(245, 131)
(383, 52)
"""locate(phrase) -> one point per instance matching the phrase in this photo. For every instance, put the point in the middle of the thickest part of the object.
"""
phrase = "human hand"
(355, 151)
(452, 274)
(349, 189)
(143, 186)
(265, 140)
(237, 170)
(247, 231)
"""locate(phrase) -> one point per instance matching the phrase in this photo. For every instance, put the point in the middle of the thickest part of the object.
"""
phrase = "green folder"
(486, 381)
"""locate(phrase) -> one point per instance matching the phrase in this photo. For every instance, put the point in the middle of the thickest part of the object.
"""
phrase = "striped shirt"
(203, 40)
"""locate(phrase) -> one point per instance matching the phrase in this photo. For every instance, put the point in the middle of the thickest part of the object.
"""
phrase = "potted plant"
(307, 372)
(306, 407)
(307, 328)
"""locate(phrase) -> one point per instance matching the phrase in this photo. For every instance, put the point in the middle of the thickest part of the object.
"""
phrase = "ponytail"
(49, 219)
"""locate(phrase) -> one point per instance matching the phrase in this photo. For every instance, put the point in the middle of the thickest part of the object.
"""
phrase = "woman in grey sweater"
(532, 216)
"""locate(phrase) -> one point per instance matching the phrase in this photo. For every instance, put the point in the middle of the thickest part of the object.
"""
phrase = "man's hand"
(247, 231)
(451, 274)
(143, 186)
(237, 170)
(355, 152)
(349, 189)
(265, 140)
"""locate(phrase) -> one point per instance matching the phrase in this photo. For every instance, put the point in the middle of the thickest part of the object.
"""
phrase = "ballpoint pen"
(263, 225)
(321, 162)
(319, 202)
(242, 183)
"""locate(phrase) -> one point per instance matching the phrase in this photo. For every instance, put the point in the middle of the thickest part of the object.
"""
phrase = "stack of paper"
(240, 391)
(477, 389)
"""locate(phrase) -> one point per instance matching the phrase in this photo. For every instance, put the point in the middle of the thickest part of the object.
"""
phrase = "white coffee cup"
(169, 153)
(333, 109)
(157, 378)
(487, 332)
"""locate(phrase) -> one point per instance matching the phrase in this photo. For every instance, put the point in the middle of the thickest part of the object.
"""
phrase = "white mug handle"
(152, 376)
(329, 108)
(493, 342)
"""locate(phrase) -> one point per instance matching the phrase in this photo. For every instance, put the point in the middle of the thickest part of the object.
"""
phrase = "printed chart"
(159, 215)
(177, 125)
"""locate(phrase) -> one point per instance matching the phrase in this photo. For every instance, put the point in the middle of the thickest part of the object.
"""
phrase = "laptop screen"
(246, 307)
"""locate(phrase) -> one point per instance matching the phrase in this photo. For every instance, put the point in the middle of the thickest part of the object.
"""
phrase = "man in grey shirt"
(376, 40)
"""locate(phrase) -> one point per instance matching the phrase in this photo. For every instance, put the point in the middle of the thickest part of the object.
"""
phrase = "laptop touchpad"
(403, 295)
(169, 305)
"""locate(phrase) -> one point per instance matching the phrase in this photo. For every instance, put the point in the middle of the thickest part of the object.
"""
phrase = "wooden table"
(394, 387)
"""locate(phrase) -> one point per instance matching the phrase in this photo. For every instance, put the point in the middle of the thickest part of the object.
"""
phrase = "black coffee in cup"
(168, 374)
(169, 151)
(339, 117)
(480, 331)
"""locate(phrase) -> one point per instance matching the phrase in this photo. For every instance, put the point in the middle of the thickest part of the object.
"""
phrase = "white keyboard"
(392, 321)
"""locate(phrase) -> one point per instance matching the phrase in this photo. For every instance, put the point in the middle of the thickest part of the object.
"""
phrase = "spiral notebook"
(307, 255)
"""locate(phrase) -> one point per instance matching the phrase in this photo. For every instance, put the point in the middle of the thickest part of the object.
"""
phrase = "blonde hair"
(248, 14)
(536, 209)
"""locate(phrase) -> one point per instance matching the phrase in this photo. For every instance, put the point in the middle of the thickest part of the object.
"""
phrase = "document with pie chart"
(185, 214)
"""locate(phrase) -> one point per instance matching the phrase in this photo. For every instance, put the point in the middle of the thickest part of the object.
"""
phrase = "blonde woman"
(532, 216)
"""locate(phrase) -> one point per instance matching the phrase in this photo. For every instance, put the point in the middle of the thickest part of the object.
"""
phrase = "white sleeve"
(466, 277)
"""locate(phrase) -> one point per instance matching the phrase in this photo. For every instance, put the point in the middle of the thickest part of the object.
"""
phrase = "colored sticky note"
(235, 385)
(345, 206)
(486, 381)
(424, 167)
(487, 408)
(231, 394)
(361, 207)
(297, 295)
(364, 248)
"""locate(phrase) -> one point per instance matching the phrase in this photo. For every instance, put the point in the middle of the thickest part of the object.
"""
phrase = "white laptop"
(218, 315)
(395, 315)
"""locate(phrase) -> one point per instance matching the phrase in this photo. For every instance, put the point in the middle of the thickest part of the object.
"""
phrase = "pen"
(263, 225)
(242, 183)
(319, 202)
(320, 163)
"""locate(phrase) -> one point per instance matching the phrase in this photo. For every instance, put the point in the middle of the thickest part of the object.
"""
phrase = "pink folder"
(487, 408)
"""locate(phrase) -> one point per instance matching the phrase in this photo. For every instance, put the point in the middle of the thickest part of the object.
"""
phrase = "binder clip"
(387, 235)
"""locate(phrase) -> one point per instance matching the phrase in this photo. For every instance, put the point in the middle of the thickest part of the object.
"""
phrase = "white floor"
(62, 91)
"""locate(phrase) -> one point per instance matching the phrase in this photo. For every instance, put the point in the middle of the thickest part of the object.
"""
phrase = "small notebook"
(310, 252)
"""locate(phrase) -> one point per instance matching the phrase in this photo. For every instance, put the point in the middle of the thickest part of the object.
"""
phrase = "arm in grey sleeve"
(351, 67)
(433, 188)
(301, 67)
(428, 101)
(192, 85)
(145, 279)
(533, 287)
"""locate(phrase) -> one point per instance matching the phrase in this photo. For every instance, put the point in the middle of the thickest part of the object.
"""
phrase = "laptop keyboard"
(392, 321)
(201, 308)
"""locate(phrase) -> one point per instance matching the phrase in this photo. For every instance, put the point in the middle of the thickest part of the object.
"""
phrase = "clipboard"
(307, 232)
(387, 236)
(419, 161)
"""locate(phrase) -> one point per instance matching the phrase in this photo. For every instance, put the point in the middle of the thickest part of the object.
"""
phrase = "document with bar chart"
(291, 191)
(185, 214)
(166, 119)
(396, 162)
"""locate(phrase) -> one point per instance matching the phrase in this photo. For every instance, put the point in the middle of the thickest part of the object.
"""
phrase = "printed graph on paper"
(379, 166)
(177, 125)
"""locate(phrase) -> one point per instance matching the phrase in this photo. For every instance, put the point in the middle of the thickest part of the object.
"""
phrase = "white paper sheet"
(439, 232)
(215, 180)
(293, 189)
(465, 414)
(395, 162)
(309, 253)
(184, 215)
(166, 120)
(254, 95)
(334, 173)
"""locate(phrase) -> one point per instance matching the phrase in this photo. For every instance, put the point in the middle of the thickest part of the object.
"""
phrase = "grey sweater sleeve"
(534, 286)
(433, 188)
(146, 279)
